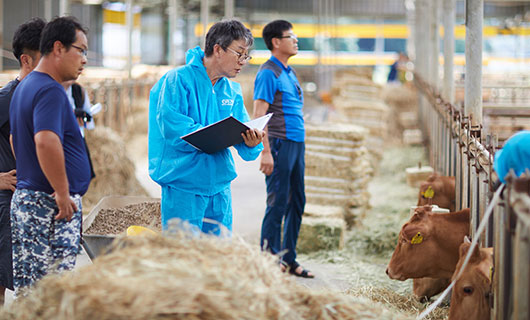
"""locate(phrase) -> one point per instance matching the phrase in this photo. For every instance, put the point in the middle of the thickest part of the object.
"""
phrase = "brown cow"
(444, 191)
(444, 197)
(470, 298)
(428, 245)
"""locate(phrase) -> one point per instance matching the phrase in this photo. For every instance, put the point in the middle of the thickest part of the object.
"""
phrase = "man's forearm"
(51, 159)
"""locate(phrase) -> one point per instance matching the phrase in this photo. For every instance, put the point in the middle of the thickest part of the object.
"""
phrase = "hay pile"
(115, 172)
(320, 234)
(357, 100)
(403, 102)
(185, 277)
(337, 168)
(402, 98)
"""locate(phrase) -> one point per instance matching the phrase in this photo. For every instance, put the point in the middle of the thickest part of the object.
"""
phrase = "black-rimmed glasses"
(291, 36)
(240, 57)
(81, 50)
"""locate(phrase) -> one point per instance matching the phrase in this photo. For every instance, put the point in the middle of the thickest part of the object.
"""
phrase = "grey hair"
(224, 32)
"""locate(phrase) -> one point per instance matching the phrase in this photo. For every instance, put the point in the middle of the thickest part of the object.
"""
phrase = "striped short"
(41, 244)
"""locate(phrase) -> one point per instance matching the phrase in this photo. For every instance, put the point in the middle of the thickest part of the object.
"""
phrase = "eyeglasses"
(240, 57)
(81, 50)
(291, 36)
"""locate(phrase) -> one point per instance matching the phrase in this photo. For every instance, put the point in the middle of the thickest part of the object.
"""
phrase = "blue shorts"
(41, 244)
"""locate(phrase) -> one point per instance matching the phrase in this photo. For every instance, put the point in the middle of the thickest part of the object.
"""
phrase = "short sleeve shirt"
(7, 161)
(40, 104)
(279, 86)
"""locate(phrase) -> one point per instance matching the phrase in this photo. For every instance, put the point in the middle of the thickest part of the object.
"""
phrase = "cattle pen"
(459, 148)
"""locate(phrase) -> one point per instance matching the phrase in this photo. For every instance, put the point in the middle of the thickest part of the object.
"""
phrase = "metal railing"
(118, 98)
(456, 148)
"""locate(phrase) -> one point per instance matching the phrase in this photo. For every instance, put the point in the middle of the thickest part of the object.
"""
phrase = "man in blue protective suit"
(515, 155)
(277, 90)
(196, 185)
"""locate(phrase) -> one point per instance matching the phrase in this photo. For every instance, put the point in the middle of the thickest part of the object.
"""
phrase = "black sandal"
(305, 273)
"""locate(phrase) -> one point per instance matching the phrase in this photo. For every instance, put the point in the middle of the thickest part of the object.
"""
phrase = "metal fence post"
(521, 269)
(459, 167)
(519, 201)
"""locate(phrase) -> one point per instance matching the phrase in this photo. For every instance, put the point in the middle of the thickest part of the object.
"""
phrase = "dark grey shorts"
(6, 264)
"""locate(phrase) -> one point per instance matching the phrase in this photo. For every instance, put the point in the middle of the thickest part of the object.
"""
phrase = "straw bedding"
(184, 277)
(115, 171)
(399, 302)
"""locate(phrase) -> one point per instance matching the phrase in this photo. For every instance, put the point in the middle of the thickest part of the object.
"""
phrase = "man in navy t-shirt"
(277, 90)
(52, 165)
(26, 42)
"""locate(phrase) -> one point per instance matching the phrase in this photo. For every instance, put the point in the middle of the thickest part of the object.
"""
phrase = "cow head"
(443, 189)
(428, 245)
(415, 250)
(470, 298)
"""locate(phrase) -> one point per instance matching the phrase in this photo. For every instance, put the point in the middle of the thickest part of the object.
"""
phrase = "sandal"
(304, 274)
(283, 266)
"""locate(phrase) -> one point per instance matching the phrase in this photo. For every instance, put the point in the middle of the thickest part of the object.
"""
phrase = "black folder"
(220, 135)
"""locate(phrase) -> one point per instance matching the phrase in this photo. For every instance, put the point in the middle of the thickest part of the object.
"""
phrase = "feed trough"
(96, 243)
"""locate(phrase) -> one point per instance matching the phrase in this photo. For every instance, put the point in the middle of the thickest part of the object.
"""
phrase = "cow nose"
(387, 272)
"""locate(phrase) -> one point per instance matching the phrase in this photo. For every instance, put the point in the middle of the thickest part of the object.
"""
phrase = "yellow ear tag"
(417, 239)
(429, 193)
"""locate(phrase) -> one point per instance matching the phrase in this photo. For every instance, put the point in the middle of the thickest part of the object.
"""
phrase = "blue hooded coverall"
(195, 185)
(514, 155)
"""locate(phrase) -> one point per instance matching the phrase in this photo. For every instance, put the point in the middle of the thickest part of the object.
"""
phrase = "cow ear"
(464, 247)
(419, 213)
(432, 177)
(485, 269)
(475, 256)
(410, 230)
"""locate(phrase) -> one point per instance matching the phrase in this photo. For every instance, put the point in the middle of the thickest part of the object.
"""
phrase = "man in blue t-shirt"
(26, 49)
(277, 90)
(52, 165)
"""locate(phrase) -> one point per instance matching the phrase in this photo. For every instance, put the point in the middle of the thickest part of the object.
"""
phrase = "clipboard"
(223, 134)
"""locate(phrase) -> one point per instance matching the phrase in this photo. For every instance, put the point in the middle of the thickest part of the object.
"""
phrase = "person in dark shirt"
(52, 165)
(26, 49)
(396, 67)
